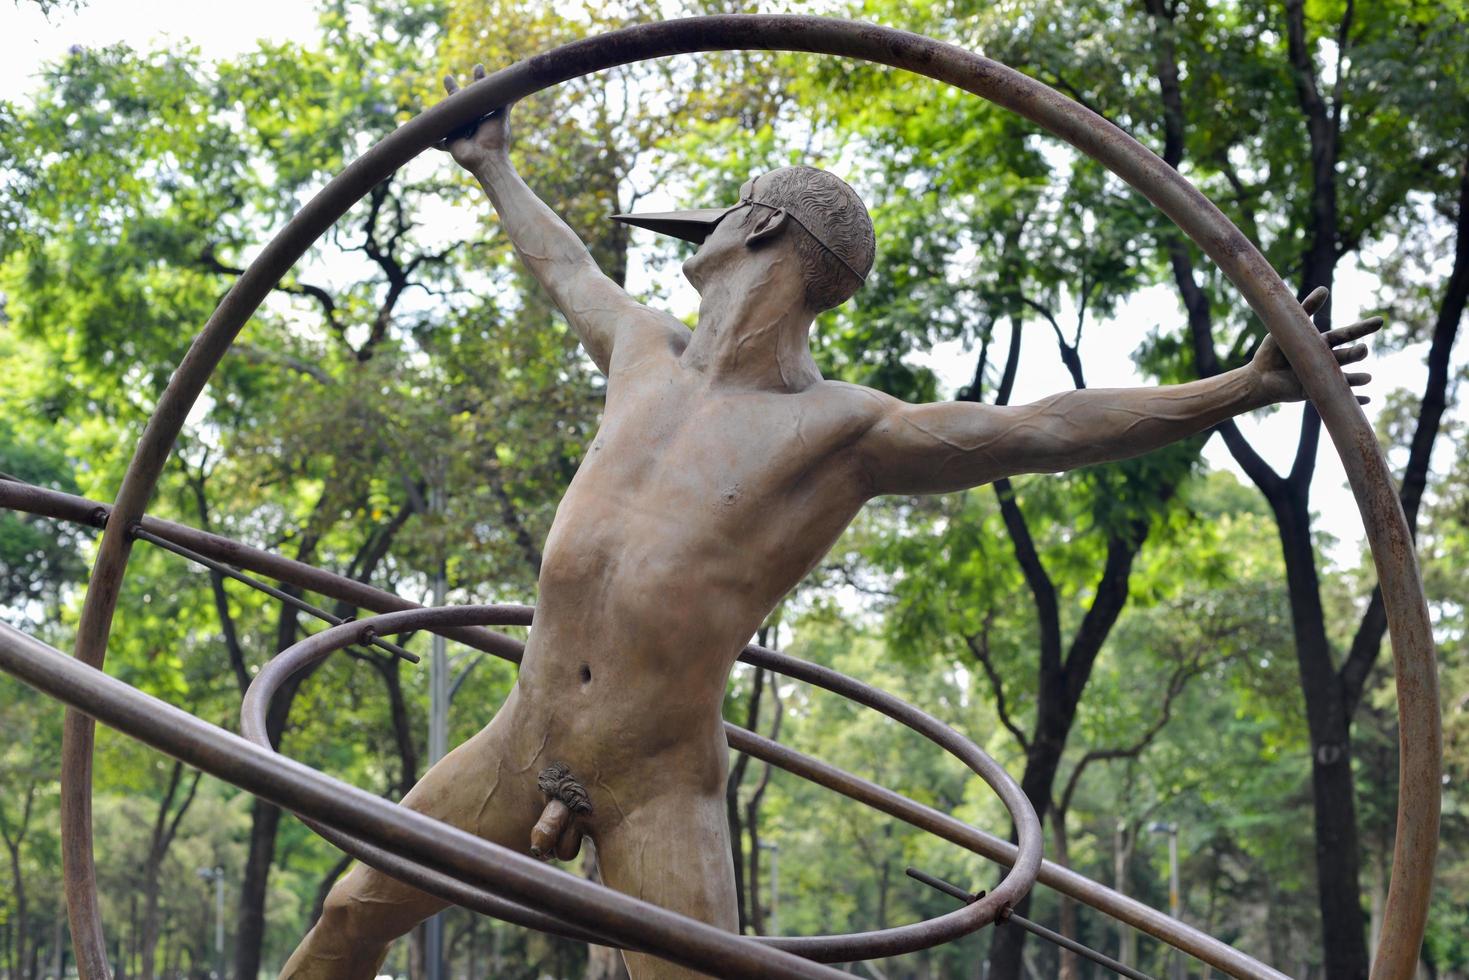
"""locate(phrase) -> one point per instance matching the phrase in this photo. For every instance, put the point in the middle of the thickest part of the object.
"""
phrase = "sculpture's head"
(797, 221)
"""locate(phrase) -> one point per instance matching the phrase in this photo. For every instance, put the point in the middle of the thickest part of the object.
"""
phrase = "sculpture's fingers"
(479, 72)
(1349, 355)
(450, 85)
(1315, 300)
(1363, 399)
(1353, 331)
(1358, 378)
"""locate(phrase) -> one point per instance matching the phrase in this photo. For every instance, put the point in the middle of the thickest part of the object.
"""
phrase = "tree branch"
(261, 356)
(1108, 599)
(1177, 681)
(1042, 589)
(178, 815)
(233, 648)
(511, 515)
(1367, 642)
(979, 646)
(210, 261)
(1195, 300)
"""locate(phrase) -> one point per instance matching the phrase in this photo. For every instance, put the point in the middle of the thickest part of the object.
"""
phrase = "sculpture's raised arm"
(949, 446)
(599, 310)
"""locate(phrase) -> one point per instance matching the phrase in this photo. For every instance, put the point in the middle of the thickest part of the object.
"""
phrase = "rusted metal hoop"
(831, 949)
(1420, 735)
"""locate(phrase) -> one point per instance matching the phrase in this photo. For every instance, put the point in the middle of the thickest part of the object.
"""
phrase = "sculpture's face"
(730, 247)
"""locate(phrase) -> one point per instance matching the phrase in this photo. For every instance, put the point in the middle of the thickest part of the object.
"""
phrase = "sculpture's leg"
(674, 851)
(486, 786)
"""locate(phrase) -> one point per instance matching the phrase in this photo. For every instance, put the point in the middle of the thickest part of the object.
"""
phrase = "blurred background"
(1178, 650)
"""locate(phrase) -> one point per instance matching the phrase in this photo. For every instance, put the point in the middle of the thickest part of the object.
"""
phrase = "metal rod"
(938, 884)
(1126, 910)
(270, 590)
(1035, 928)
(1085, 952)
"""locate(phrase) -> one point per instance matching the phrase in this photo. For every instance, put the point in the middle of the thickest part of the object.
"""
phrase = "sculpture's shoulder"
(858, 403)
(847, 411)
(648, 336)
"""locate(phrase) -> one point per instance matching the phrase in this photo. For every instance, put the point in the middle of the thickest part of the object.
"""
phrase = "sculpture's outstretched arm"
(599, 310)
(953, 445)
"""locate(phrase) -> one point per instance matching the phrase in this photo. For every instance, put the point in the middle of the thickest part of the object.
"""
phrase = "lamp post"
(216, 875)
(1175, 903)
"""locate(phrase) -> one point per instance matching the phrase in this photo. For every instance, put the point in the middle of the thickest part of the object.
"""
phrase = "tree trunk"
(1070, 965)
(265, 820)
(1059, 692)
(58, 950)
(148, 945)
(1337, 855)
(1126, 836)
(18, 890)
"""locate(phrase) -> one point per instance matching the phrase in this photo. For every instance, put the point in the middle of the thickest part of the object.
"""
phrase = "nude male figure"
(724, 469)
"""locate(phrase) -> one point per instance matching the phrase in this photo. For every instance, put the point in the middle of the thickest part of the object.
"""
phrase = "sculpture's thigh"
(674, 852)
(481, 786)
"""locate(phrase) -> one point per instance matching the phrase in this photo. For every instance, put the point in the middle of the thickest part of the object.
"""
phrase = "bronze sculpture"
(506, 883)
(724, 469)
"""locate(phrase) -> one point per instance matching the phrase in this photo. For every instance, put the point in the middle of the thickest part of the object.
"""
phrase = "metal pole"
(219, 922)
(438, 737)
(1175, 898)
(216, 875)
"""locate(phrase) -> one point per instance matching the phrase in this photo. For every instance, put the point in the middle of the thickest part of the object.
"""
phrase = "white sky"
(221, 30)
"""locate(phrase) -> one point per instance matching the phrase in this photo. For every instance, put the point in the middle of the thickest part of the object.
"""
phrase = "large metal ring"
(830, 949)
(1420, 738)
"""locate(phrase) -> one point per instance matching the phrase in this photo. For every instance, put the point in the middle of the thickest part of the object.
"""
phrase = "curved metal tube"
(1420, 735)
(831, 949)
(1145, 918)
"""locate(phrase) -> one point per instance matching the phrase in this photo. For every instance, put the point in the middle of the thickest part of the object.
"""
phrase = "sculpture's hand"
(1278, 383)
(487, 141)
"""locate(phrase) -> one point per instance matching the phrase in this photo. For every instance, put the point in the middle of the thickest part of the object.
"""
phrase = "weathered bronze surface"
(901, 446)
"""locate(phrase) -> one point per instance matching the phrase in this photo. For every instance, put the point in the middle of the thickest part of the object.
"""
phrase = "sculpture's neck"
(755, 334)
